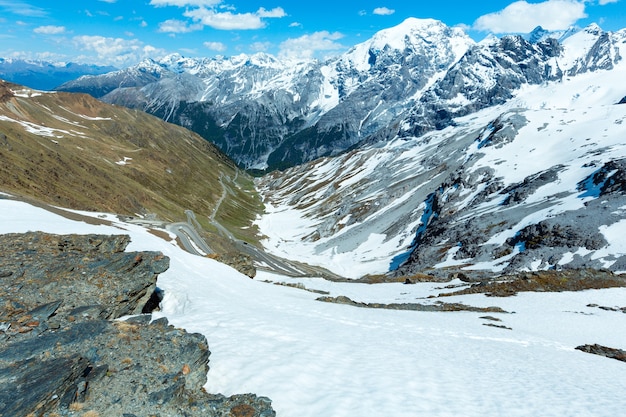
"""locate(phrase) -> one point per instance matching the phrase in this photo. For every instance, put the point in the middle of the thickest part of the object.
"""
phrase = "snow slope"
(368, 205)
(318, 359)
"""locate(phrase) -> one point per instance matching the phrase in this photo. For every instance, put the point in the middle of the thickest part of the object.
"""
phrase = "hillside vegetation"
(73, 151)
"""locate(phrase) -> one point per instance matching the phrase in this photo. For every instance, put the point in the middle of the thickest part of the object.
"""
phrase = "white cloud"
(109, 1)
(295, 24)
(260, 46)
(177, 26)
(307, 46)
(22, 9)
(605, 2)
(185, 3)
(233, 21)
(383, 11)
(114, 51)
(215, 46)
(42, 56)
(276, 12)
(226, 20)
(523, 17)
(50, 30)
(206, 13)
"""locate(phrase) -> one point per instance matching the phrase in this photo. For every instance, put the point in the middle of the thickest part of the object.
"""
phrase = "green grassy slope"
(73, 151)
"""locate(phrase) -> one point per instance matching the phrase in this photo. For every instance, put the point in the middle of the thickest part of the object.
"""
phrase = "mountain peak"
(428, 37)
(412, 30)
(171, 59)
(537, 34)
(148, 63)
(593, 29)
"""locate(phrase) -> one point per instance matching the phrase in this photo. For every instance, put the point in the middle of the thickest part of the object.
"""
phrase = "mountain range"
(405, 81)
(417, 150)
(43, 75)
(522, 170)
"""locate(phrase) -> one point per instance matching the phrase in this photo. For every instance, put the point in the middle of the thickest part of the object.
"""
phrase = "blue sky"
(123, 32)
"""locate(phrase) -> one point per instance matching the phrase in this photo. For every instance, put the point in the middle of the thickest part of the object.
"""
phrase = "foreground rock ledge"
(61, 353)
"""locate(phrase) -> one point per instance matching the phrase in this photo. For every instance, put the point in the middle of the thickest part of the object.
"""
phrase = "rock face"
(91, 273)
(61, 353)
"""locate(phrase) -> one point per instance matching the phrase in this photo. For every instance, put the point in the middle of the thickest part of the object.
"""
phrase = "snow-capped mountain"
(406, 81)
(263, 111)
(44, 75)
(537, 182)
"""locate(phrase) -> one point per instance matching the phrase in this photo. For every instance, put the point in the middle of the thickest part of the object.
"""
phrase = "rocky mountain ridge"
(404, 81)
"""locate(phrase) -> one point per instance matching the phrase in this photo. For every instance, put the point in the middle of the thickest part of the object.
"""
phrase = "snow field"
(319, 359)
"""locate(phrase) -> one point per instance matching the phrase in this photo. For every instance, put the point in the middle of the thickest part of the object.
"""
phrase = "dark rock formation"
(550, 234)
(608, 352)
(78, 272)
(609, 179)
(439, 306)
(517, 193)
(241, 262)
(544, 281)
(61, 352)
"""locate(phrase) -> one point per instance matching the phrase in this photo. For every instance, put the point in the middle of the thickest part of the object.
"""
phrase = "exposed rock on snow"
(59, 352)
(596, 349)
(440, 306)
(544, 281)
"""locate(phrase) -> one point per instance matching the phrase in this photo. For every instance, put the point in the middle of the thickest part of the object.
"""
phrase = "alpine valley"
(489, 177)
(437, 153)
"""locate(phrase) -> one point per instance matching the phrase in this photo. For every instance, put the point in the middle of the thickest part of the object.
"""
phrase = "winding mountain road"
(189, 237)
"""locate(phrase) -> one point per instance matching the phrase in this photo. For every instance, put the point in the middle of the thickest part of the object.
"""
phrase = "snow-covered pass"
(319, 359)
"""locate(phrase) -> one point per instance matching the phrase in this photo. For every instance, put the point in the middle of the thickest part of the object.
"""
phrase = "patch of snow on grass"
(37, 129)
(124, 161)
(26, 93)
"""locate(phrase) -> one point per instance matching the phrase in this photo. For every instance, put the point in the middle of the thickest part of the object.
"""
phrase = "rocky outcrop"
(76, 273)
(438, 306)
(609, 179)
(62, 353)
(549, 234)
(608, 352)
(544, 281)
(241, 262)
